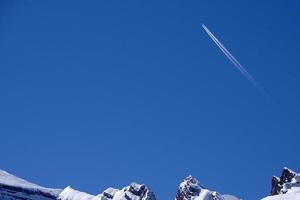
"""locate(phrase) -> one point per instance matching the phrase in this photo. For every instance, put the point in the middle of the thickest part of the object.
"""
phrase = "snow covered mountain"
(14, 188)
(285, 187)
(190, 189)
(133, 192)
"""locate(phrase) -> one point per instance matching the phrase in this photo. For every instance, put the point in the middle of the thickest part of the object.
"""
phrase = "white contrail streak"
(232, 59)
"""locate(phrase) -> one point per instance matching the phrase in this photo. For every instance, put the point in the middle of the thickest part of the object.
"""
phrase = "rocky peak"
(137, 192)
(190, 189)
(134, 191)
(288, 180)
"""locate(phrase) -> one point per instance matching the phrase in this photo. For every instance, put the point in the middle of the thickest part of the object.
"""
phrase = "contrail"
(233, 60)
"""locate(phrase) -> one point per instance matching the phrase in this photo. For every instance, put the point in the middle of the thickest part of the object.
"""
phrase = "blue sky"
(102, 93)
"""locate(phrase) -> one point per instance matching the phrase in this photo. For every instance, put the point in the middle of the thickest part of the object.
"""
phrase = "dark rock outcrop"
(278, 183)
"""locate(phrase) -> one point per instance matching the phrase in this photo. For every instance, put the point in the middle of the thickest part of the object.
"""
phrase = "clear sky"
(102, 93)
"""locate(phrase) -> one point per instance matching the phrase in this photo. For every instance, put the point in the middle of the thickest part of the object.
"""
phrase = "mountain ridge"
(285, 187)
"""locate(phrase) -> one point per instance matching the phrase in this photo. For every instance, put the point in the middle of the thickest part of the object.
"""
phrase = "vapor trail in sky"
(233, 60)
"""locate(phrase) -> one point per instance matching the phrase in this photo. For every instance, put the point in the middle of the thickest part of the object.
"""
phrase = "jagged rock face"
(286, 181)
(134, 192)
(190, 189)
(285, 187)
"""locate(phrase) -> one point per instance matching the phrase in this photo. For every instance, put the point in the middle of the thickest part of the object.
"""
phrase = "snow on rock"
(288, 181)
(70, 194)
(229, 197)
(12, 187)
(108, 194)
(133, 192)
(288, 196)
(9, 179)
(190, 189)
(285, 187)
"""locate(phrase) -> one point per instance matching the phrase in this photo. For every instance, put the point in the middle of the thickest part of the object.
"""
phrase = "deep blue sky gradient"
(101, 93)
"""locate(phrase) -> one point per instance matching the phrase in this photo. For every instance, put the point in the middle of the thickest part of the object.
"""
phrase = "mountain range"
(285, 187)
